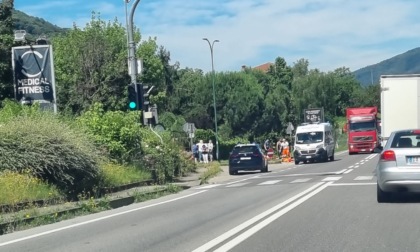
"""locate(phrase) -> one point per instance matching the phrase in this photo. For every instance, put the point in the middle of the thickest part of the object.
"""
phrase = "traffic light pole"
(132, 48)
(133, 61)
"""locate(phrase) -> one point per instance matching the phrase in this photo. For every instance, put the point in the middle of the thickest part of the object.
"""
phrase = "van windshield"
(309, 137)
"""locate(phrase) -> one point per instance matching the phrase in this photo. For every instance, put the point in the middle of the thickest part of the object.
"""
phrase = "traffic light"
(133, 98)
(144, 97)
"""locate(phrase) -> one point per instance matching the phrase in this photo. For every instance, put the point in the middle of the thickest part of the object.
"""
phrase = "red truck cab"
(362, 127)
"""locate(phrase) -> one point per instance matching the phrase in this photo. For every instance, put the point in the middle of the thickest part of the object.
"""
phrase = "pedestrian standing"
(195, 152)
(205, 153)
(210, 146)
(266, 145)
(278, 148)
(200, 151)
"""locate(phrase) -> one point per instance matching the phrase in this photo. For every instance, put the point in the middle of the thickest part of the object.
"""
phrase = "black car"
(247, 157)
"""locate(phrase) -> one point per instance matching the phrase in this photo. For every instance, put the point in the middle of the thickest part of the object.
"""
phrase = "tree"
(91, 66)
(6, 43)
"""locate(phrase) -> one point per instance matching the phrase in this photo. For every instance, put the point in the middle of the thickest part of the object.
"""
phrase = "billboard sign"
(313, 115)
(33, 73)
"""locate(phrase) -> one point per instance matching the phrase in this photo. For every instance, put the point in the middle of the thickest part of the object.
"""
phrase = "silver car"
(398, 168)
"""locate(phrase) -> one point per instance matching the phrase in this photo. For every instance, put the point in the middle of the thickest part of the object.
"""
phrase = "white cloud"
(329, 33)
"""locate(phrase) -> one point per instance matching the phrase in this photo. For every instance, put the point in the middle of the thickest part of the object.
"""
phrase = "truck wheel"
(332, 157)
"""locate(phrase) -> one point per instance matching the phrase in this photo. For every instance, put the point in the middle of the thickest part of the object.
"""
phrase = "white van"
(314, 142)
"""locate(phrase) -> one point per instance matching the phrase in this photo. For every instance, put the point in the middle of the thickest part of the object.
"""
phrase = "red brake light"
(388, 155)
(416, 132)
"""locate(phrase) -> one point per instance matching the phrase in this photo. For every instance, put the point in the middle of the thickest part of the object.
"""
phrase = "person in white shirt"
(200, 151)
(210, 146)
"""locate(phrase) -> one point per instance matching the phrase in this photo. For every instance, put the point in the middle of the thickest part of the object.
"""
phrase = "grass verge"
(212, 169)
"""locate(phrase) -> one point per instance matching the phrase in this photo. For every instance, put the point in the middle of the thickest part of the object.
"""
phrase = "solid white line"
(364, 178)
(242, 237)
(97, 219)
(351, 184)
(207, 186)
(238, 184)
(237, 229)
(340, 172)
(348, 171)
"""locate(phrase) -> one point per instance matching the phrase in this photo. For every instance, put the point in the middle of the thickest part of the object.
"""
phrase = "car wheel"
(332, 157)
(232, 172)
(382, 196)
(296, 161)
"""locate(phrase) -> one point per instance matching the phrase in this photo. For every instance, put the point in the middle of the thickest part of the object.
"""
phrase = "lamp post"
(214, 94)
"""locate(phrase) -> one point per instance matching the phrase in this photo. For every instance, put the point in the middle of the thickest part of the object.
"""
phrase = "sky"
(330, 34)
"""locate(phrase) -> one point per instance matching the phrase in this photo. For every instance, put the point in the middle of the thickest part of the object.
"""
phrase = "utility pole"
(211, 45)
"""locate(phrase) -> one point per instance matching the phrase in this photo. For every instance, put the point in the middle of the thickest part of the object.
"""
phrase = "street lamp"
(214, 94)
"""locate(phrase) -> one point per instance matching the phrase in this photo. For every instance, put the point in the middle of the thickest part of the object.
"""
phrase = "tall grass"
(115, 174)
(22, 187)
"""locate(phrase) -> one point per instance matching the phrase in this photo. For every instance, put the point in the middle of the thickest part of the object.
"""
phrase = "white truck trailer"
(400, 103)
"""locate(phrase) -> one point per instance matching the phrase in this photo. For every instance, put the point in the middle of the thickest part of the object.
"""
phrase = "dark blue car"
(247, 157)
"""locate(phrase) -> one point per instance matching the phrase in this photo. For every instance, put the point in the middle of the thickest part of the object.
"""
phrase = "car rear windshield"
(406, 139)
(245, 149)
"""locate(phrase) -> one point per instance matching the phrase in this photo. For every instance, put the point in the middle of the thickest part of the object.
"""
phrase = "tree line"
(91, 67)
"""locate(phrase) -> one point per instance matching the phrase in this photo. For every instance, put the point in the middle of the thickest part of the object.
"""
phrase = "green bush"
(166, 159)
(116, 132)
(226, 146)
(50, 149)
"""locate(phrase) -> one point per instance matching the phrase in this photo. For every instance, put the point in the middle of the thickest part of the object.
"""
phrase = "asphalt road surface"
(308, 207)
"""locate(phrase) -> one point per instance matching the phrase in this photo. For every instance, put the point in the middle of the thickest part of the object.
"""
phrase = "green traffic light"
(132, 105)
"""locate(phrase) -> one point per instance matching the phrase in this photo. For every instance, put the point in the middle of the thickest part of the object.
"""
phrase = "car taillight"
(388, 155)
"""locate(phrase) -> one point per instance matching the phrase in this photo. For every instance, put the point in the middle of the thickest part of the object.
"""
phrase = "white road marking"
(245, 235)
(364, 178)
(207, 186)
(301, 180)
(246, 224)
(269, 182)
(355, 167)
(348, 171)
(238, 184)
(351, 184)
(238, 181)
(97, 219)
(371, 156)
(331, 179)
(351, 166)
(340, 172)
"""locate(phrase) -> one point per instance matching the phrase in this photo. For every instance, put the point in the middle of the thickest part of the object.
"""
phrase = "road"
(309, 207)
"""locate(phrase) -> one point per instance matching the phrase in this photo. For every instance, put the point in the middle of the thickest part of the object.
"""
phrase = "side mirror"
(378, 149)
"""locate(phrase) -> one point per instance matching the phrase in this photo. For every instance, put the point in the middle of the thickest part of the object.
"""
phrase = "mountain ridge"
(404, 63)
